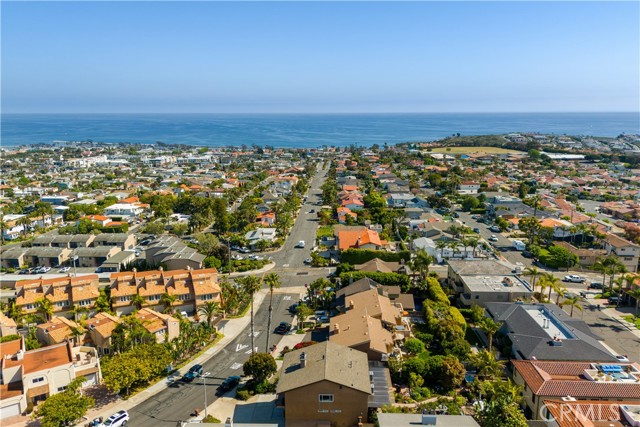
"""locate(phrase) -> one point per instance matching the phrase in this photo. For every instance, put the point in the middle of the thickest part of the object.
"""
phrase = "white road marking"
(241, 347)
(236, 366)
(249, 351)
(286, 298)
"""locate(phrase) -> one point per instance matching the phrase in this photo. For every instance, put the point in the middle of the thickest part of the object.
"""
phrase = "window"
(37, 380)
(127, 298)
(61, 304)
(154, 298)
(185, 297)
(206, 297)
(61, 389)
(85, 302)
(30, 306)
(325, 398)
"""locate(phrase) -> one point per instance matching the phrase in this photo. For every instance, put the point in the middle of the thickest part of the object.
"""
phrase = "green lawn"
(633, 320)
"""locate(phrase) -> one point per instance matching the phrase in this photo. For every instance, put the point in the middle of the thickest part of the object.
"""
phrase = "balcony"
(84, 357)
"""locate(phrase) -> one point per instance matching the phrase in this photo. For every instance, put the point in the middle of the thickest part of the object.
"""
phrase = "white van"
(519, 245)
(119, 419)
(300, 244)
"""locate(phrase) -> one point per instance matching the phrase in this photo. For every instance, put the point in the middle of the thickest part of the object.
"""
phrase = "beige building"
(58, 330)
(47, 257)
(586, 257)
(34, 375)
(100, 327)
(63, 292)
(7, 326)
(192, 289)
(162, 326)
(123, 241)
(325, 384)
(545, 380)
(361, 332)
(628, 253)
(94, 257)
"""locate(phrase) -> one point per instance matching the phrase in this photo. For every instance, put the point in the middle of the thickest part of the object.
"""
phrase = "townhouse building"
(627, 252)
(192, 288)
(63, 292)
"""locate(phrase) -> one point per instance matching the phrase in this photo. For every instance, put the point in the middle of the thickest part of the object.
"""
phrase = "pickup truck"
(574, 279)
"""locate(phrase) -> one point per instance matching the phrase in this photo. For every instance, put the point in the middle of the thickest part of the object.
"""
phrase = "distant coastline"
(300, 130)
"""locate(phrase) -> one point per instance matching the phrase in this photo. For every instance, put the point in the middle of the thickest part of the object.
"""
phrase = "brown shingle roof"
(43, 358)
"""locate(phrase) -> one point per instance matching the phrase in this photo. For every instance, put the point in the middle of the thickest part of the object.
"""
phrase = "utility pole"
(204, 380)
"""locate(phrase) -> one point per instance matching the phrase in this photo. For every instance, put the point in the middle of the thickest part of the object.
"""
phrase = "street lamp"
(204, 381)
(74, 259)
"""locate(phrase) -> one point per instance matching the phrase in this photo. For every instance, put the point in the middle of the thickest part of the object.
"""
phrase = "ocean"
(299, 130)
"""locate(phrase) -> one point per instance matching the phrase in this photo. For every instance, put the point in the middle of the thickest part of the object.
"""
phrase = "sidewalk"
(616, 314)
(231, 329)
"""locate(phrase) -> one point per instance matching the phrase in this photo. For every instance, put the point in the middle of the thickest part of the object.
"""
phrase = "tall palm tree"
(421, 263)
(25, 222)
(167, 300)
(560, 291)
(551, 281)
(45, 306)
(532, 272)
(602, 266)
(76, 333)
(573, 302)
(486, 364)
(209, 310)
(442, 244)
(250, 285)
(138, 301)
(16, 312)
(473, 242)
(273, 282)
(635, 294)
(43, 210)
(489, 327)
(616, 267)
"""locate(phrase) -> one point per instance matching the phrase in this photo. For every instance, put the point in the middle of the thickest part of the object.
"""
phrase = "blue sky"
(320, 56)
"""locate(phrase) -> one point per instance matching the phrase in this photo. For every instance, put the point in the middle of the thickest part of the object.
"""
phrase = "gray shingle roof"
(326, 361)
(531, 341)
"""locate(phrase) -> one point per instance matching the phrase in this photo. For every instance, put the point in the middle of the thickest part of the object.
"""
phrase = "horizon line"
(333, 112)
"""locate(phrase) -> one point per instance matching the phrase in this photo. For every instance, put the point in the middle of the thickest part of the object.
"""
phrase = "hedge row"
(435, 292)
(386, 279)
(360, 256)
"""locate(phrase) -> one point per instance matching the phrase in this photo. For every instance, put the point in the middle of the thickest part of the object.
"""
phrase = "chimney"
(134, 269)
(160, 268)
(428, 419)
(20, 355)
(303, 359)
(336, 328)
(351, 304)
(228, 422)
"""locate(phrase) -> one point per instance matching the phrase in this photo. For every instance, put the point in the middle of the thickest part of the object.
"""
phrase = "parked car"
(120, 418)
(321, 316)
(300, 244)
(494, 228)
(569, 295)
(622, 358)
(244, 250)
(308, 261)
(194, 371)
(228, 384)
(614, 300)
(527, 254)
(574, 278)
(235, 247)
(596, 285)
(476, 230)
(312, 211)
(283, 328)
(293, 308)
(493, 238)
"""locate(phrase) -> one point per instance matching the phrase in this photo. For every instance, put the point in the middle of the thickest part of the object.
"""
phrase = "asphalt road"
(179, 400)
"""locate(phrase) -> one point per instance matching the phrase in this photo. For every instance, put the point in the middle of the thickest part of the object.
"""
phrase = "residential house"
(569, 412)
(57, 330)
(399, 200)
(344, 213)
(404, 302)
(13, 256)
(360, 331)
(100, 328)
(379, 266)
(375, 304)
(266, 219)
(163, 326)
(254, 236)
(283, 185)
(192, 288)
(32, 376)
(480, 282)
(123, 241)
(359, 238)
(94, 256)
(553, 380)
(64, 241)
(14, 226)
(546, 332)
(63, 292)
(47, 257)
(174, 253)
(586, 257)
(7, 325)
(627, 253)
(324, 384)
(353, 202)
(425, 419)
(468, 187)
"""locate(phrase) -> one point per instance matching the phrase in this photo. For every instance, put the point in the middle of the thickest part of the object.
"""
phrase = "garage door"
(10, 411)
(91, 380)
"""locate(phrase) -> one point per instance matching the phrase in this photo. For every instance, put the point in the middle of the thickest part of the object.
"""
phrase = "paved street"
(178, 401)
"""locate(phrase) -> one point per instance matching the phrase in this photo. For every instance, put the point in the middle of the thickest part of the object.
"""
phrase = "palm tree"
(421, 263)
(43, 209)
(473, 242)
(76, 333)
(209, 310)
(560, 291)
(25, 222)
(489, 327)
(551, 281)
(441, 244)
(486, 364)
(573, 302)
(273, 282)
(16, 312)
(250, 285)
(533, 272)
(635, 294)
(168, 300)
(45, 306)
(76, 310)
(3, 226)
(602, 266)
(138, 301)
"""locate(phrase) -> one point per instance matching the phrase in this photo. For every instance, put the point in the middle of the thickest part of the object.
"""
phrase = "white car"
(300, 244)
(622, 358)
(493, 238)
(119, 419)
(308, 261)
(573, 278)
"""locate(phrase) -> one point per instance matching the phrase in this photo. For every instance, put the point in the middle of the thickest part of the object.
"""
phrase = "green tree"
(103, 302)
(486, 364)
(179, 229)
(501, 412)
(44, 306)
(421, 263)
(413, 346)
(260, 366)
(65, 408)
(489, 327)
(273, 282)
(167, 300)
(137, 301)
(532, 272)
(209, 310)
(469, 203)
(573, 302)
(155, 227)
(208, 244)
(43, 210)
(250, 285)
(302, 312)
(635, 294)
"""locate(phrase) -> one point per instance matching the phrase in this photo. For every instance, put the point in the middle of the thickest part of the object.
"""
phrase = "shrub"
(435, 292)
(386, 279)
(243, 394)
(360, 256)
(210, 419)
